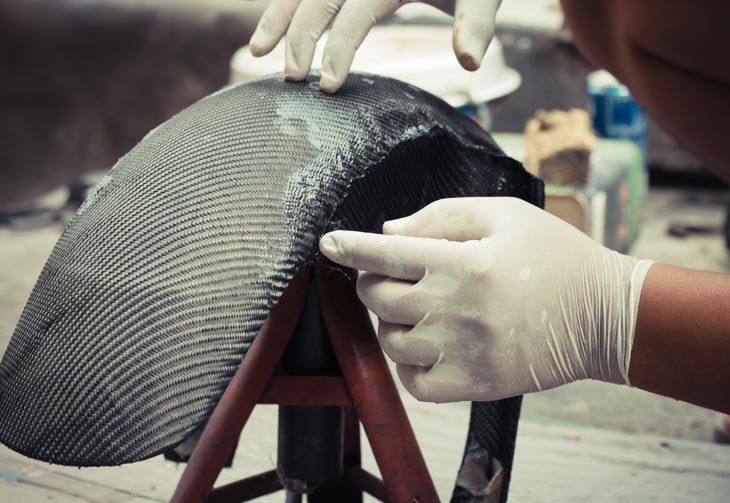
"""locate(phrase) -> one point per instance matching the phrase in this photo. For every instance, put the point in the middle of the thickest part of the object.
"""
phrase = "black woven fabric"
(156, 289)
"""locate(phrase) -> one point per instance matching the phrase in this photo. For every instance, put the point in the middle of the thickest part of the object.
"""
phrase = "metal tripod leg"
(369, 390)
(240, 397)
(373, 391)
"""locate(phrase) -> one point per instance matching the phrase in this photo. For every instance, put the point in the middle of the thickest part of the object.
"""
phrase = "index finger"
(309, 22)
(348, 31)
(400, 257)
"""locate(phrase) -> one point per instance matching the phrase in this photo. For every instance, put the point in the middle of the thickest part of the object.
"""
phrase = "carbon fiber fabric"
(156, 289)
(489, 450)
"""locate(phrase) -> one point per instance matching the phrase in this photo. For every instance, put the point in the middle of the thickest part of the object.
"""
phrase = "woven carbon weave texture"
(157, 287)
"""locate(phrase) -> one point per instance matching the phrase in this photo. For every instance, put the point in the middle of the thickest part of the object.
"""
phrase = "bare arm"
(682, 342)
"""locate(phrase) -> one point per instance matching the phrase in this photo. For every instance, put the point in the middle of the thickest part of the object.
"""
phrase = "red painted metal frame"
(373, 391)
(240, 397)
(311, 391)
(253, 487)
(365, 387)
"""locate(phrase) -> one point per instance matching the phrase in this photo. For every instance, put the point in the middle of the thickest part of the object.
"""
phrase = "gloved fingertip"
(395, 226)
(329, 86)
(294, 66)
(469, 61)
(329, 81)
(293, 74)
(258, 44)
(328, 246)
(470, 46)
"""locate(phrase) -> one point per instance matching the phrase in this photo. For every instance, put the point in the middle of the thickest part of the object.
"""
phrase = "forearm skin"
(682, 339)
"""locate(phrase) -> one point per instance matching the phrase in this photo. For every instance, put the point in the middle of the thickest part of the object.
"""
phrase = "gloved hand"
(304, 21)
(487, 298)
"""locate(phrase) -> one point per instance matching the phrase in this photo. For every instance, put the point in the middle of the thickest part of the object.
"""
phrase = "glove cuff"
(613, 301)
(625, 343)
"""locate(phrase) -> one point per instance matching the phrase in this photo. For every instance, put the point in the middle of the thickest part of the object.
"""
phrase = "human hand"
(485, 298)
(304, 21)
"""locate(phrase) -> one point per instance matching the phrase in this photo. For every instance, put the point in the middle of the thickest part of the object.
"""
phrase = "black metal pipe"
(310, 438)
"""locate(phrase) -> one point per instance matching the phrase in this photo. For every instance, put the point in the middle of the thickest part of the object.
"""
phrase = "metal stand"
(357, 387)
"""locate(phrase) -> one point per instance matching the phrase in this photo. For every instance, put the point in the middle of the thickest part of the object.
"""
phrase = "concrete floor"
(572, 444)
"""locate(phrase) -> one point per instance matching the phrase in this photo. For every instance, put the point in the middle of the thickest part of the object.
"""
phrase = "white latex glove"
(304, 21)
(486, 298)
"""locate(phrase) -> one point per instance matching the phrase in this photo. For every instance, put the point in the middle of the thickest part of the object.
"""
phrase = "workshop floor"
(586, 441)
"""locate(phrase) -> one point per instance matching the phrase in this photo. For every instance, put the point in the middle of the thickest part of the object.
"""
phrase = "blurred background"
(82, 81)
